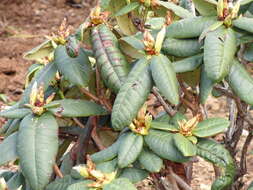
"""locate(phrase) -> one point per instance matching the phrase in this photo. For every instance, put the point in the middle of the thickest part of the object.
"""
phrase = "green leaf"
(134, 175)
(184, 28)
(162, 143)
(184, 145)
(211, 28)
(134, 42)
(219, 156)
(81, 185)
(138, 85)
(16, 181)
(76, 108)
(128, 8)
(162, 117)
(13, 127)
(165, 77)
(124, 22)
(205, 8)
(107, 167)
(129, 149)
(181, 47)
(110, 61)
(219, 50)
(248, 53)
(244, 23)
(119, 184)
(188, 64)
(6, 126)
(150, 161)
(37, 146)
(43, 77)
(210, 127)
(179, 11)
(164, 126)
(244, 2)
(76, 70)
(109, 153)
(206, 86)
(155, 23)
(15, 113)
(176, 118)
(41, 51)
(250, 186)
(66, 164)
(8, 150)
(61, 183)
(241, 82)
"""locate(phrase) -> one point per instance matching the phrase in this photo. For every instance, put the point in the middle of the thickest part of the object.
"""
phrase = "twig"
(57, 171)
(78, 122)
(91, 96)
(96, 139)
(243, 166)
(179, 180)
(166, 107)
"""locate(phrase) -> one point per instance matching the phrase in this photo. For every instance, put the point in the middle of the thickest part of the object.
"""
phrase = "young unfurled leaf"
(162, 143)
(165, 77)
(129, 149)
(184, 28)
(184, 145)
(134, 175)
(76, 108)
(188, 64)
(241, 82)
(41, 51)
(210, 127)
(37, 146)
(150, 161)
(76, 70)
(8, 150)
(138, 85)
(219, 50)
(181, 47)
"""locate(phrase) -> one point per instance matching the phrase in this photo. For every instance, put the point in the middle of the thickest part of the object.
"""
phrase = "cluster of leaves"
(145, 45)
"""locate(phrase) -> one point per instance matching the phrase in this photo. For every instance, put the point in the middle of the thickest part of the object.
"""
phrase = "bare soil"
(23, 25)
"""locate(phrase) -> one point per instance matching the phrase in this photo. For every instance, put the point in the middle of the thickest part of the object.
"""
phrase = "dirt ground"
(23, 25)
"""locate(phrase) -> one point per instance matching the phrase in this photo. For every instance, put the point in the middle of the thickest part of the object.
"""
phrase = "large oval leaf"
(181, 47)
(107, 167)
(110, 61)
(189, 27)
(165, 78)
(129, 149)
(206, 85)
(219, 50)
(132, 95)
(164, 126)
(119, 184)
(37, 146)
(179, 11)
(205, 8)
(8, 150)
(16, 181)
(83, 185)
(219, 156)
(241, 82)
(210, 127)
(184, 145)
(162, 143)
(188, 64)
(76, 108)
(61, 183)
(43, 77)
(76, 70)
(150, 161)
(15, 113)
(244, 23)
(13, 127)
(135, 175)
